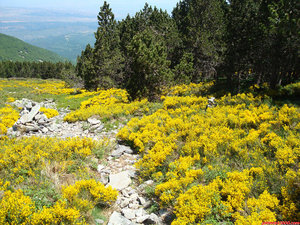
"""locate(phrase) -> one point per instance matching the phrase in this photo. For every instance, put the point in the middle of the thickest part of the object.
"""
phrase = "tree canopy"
(244, 42)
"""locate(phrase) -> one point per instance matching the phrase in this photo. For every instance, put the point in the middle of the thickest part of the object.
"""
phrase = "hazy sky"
(120, 7)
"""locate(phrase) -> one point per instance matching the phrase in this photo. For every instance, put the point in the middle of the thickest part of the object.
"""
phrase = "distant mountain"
(14, 49)
(68, 46)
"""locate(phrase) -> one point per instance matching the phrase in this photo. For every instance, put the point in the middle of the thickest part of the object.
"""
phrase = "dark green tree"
(202, 27)
(183, 71)
(86, 69)
(149, 67)
(107, 58)
(158, 22)
(263, 42)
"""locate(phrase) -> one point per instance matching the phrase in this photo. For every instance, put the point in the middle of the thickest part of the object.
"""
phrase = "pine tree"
(149, 67)
(107, 57)
(202, 26)
(86, 69)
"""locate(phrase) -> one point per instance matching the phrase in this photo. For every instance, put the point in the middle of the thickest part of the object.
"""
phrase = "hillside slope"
(68, 46)
(14, 49)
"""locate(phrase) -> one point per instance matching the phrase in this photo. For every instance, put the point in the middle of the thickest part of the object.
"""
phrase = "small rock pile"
(32, 120)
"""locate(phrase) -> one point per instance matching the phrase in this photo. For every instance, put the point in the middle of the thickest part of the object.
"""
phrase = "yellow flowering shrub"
(10, 99)
(260, 210)
(107, 104)
(27, 156)
(191, 89)
(244, 141)
(15, 208)
(179, 177)
(197, 203)
(8, 117)
(85, 194)
(58, 214)
(54, 87)
(49, 112)
(83, 93)
(51, 179)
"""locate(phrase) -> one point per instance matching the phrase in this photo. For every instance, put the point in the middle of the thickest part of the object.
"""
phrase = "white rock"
(116, 153)
(125, 149)
(119, 181)
(93, 121)
(100, 167)
(45, 130)
(128, 213)
(141, 219)
(117, 219)
(140, 212)
(99, 221)
(28, 117)
(142, 200)
(133, 206)
(124, 203)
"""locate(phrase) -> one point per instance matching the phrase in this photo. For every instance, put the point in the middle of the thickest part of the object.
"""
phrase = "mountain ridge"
(14, 49)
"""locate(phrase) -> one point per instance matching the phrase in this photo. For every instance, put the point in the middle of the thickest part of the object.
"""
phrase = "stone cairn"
(31, 119)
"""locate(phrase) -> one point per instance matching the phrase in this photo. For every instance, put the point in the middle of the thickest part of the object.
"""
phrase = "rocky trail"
(117, 170)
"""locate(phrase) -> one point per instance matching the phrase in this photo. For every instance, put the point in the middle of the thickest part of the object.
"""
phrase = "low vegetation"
(235, 163)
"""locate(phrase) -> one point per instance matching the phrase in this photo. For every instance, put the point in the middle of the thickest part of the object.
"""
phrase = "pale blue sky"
(120, 7)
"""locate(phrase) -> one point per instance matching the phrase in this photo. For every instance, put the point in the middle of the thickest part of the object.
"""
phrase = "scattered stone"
(134, 197)
(117, 219)
(125, 193)
(149, 182)
(121, 149)
(141, 219)
(125, 149)
(140, 212)
(133, 205)
(104, 179)
(124, 203)
(29, 105)
(128, 213)
(116, 153)
(147, 204)
(31, 127)
(45, 130)
(166, 216)
(99, 221)
(142, 200)
(100, 167)
(152, 219)
(119, 181)
(93, 121)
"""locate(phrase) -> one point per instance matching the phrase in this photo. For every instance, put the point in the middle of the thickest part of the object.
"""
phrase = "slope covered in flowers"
(50, 181)
(236, 162)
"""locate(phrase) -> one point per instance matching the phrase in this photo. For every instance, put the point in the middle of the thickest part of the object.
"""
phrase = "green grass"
(15, 49)
(24, 92)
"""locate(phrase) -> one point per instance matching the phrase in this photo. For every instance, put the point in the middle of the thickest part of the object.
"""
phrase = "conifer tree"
(202, 26)
(149, 67)
(107, 57)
